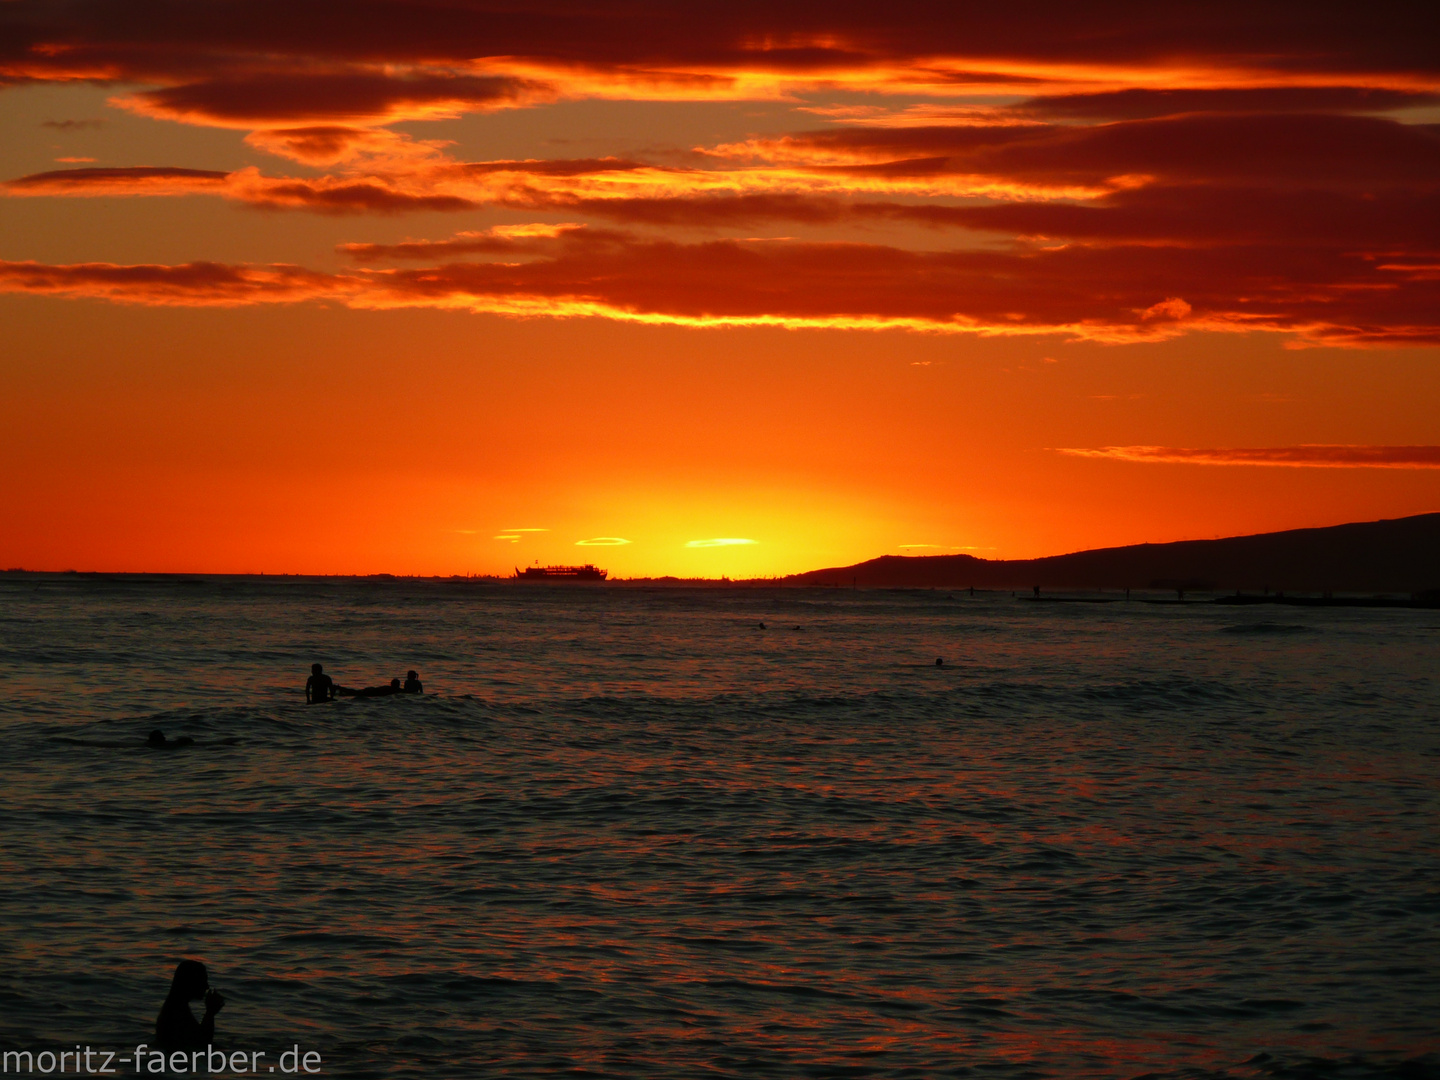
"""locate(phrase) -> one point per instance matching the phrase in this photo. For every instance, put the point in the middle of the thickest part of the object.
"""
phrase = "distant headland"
(1401, 555)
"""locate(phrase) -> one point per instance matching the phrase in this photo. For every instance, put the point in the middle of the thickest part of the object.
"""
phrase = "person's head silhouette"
(190, 982)
(315, 669)
(411, 675)
(395, 684)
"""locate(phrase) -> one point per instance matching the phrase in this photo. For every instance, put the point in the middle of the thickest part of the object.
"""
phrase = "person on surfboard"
(372, 691)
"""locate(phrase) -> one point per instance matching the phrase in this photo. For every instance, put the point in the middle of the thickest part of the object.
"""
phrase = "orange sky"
(372, 295)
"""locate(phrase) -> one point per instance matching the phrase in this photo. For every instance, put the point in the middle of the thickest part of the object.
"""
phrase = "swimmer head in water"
(158, 741)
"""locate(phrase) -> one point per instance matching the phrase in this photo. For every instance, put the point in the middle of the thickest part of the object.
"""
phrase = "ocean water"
(630, 833)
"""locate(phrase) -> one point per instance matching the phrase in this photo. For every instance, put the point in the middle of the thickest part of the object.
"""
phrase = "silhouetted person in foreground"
(319, 687)
(158, 741)
(176, 1027)
(412, 683)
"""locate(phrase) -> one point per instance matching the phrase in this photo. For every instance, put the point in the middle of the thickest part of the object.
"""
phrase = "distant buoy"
(939, 662)
(762, 626)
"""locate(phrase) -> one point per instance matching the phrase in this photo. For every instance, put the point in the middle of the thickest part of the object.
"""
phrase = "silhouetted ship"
(560, 573)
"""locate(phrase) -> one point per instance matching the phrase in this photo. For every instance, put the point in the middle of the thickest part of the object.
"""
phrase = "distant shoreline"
(1392, 563)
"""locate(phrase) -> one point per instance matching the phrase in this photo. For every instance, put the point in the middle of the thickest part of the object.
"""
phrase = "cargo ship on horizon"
(587, 572)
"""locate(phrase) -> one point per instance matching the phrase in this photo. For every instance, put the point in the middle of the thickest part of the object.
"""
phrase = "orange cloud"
(393, 186)
(328, 195)
(507, 240)
(324, 145)
(1307, 456)
(188, 284)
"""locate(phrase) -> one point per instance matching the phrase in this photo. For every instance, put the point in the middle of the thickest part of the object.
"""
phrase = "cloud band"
(1305, 456)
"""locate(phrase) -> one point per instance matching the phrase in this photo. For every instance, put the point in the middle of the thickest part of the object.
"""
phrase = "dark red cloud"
(146, 37)
(139, 180)
(1118, 292)
(1208, 216)
(1329, 296)
(1311, 456)
(1309, 149)
(282, 97)
(353, 197)
(1189, 215)
(1138, 104)
(60, 178)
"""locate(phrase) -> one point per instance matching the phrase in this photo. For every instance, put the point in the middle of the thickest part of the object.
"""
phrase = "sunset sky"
(452, 287)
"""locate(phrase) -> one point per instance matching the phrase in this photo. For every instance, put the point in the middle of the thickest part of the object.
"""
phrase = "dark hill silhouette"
(1396, 556)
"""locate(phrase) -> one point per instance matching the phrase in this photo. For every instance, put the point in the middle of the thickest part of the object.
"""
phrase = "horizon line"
(724, 579)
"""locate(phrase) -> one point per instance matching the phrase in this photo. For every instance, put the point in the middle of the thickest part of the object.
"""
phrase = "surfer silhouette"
(412, 683)
(158, 741)
(372, 691)
(176, 1026)
(319, 687)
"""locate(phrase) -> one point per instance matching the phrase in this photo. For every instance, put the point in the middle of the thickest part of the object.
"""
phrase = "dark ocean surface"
(629, 833)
